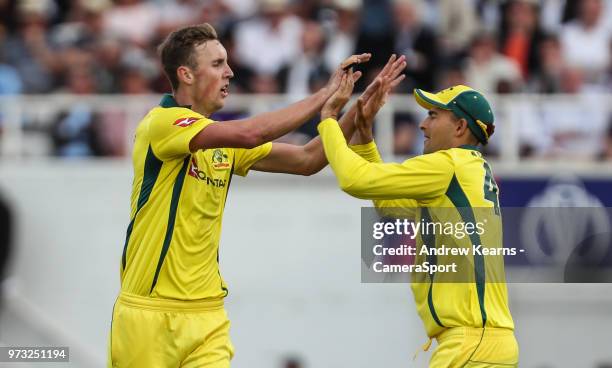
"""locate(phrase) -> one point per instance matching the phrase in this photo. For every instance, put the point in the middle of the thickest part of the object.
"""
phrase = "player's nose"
(229, 73)
(423, 125)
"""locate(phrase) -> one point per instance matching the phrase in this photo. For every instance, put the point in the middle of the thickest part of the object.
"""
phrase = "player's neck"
(201, 109)
(464, 141)
(184, 98)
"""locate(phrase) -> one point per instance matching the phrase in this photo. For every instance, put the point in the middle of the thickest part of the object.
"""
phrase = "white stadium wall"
(290, 252)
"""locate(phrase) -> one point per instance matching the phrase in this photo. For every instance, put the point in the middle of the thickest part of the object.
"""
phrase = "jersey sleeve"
(386, 207)
(245, 158)
(422, 177)
(367, 151)
(171, 136)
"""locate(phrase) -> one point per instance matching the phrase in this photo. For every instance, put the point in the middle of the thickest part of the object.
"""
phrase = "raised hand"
(335, 103)
(376, 94)
(336, 77)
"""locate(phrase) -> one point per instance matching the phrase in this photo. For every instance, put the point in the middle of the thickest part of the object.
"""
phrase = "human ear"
(185, 75)
(461, 126)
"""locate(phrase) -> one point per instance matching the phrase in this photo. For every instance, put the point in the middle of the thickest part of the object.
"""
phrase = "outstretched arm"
(254, 131)
(422, 177)
(310, 158)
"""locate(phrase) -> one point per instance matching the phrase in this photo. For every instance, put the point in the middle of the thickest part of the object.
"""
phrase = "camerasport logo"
(185, 122)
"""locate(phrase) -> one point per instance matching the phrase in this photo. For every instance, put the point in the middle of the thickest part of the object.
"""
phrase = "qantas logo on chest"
(185, 122)
(201, 175)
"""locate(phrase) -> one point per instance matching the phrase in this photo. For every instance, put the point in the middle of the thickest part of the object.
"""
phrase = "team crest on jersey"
(220, 160)
(185, 122)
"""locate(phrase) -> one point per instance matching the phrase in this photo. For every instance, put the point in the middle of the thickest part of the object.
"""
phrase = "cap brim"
(428, 100)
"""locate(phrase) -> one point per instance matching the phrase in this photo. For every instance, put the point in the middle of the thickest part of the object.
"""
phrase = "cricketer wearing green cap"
(450, 183)
(465, 103)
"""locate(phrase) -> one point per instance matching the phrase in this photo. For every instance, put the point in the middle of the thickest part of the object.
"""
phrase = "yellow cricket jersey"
(454, 185)
(172, 242)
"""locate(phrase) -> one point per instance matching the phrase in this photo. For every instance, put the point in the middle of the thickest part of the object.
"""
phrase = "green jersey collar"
(470, 147)
(169, 101)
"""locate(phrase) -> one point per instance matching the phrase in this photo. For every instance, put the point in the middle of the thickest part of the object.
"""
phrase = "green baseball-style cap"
(464, 102)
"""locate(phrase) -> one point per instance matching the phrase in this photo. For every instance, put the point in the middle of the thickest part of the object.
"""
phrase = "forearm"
(363, 134)
(275, 124)
(314, 149)
(342, 159)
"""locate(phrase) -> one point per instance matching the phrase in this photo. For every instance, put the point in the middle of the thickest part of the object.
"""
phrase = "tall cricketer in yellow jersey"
(172, 244)
(170, 259)
(469, 317)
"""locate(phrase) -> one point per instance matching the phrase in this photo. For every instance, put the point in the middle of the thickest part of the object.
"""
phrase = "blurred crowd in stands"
(291, 46)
